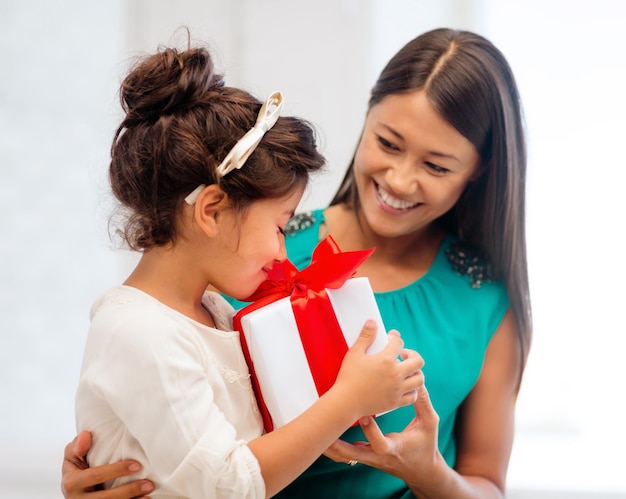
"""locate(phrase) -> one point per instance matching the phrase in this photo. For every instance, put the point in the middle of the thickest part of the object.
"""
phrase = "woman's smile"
(391, 203)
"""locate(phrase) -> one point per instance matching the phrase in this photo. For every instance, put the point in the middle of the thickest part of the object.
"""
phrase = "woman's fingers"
(375, 437)
(424, 410)
(78, 481)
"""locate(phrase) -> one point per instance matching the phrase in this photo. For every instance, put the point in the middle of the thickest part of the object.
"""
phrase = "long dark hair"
(469, 82)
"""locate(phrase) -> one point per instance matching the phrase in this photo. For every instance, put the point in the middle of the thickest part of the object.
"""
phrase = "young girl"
(208, 179)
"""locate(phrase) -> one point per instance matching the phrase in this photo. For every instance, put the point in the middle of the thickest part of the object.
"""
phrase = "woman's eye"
(386, 144)
(436, 168)
(281, 230)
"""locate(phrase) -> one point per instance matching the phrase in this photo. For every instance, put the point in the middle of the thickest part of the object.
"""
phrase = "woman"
(437, 185)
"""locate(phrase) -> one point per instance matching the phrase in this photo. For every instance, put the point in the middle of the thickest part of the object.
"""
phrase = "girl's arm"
(485, 426)
(366, 384)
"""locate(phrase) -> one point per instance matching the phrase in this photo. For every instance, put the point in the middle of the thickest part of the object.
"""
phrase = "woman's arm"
(485, 434)
(486, 419)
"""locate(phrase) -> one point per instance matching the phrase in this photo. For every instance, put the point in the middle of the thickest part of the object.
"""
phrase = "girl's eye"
(281, 230)
(386, 144)
(436, 168)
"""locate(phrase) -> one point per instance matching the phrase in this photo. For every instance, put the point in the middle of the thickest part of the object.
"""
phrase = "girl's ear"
(210, 202)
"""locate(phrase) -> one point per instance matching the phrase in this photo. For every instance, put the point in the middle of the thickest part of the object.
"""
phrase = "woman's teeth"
(392, 202)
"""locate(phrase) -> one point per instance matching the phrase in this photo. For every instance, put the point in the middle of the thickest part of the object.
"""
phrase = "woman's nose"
(402, 176)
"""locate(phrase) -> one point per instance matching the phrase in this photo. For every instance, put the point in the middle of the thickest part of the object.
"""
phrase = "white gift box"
(277, 356)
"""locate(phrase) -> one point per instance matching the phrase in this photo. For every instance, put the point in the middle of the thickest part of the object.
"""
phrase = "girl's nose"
(282, 250)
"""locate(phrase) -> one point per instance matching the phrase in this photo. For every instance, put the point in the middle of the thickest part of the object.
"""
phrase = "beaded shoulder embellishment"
(469, 261)
(299, 222)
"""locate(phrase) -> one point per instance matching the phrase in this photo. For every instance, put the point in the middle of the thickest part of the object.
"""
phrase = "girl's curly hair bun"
(168, 82)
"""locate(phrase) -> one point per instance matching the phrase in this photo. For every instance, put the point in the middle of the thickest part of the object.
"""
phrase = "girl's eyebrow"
(433, 153)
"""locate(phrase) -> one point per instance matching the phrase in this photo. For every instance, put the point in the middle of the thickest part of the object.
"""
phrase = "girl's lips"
(391, 203)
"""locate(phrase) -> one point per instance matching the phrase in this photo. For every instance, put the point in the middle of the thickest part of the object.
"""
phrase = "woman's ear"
(481, 168)
(478, 172)
(210, 202)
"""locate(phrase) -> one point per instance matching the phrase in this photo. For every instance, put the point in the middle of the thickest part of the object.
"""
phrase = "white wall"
(57, 96)
(569, 59)
(61, 67)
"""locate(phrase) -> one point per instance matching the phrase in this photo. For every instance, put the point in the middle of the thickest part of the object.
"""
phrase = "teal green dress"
(448, 316)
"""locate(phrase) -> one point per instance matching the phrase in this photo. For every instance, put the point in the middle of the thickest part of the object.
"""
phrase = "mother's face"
(411, 165)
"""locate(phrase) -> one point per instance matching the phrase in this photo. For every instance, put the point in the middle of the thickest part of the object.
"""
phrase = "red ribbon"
(323, 342)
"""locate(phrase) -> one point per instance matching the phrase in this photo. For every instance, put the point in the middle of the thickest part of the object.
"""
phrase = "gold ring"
(352, 462)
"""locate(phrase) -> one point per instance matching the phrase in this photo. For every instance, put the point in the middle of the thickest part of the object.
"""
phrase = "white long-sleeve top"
(172, 393)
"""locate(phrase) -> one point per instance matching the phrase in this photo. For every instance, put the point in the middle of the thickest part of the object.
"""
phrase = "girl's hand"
(79, 481)
(414, 450)
(382, 381)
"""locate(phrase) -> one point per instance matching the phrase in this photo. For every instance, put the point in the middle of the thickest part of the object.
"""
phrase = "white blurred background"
(60, 65)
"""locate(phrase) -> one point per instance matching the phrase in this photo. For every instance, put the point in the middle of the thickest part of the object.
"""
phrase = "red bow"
(329, 268)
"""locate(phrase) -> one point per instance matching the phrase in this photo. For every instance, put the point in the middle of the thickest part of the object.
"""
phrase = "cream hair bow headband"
(236, 158)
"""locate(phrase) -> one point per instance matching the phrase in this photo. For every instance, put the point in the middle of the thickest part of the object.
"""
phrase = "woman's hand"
(484, 427)
(399, 454)
(79, 481)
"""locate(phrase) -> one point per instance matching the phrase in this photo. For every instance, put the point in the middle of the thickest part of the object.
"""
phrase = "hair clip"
(241, 151)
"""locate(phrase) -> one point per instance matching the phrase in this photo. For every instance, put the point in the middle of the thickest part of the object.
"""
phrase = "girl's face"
(411, 166)
(249, 250)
